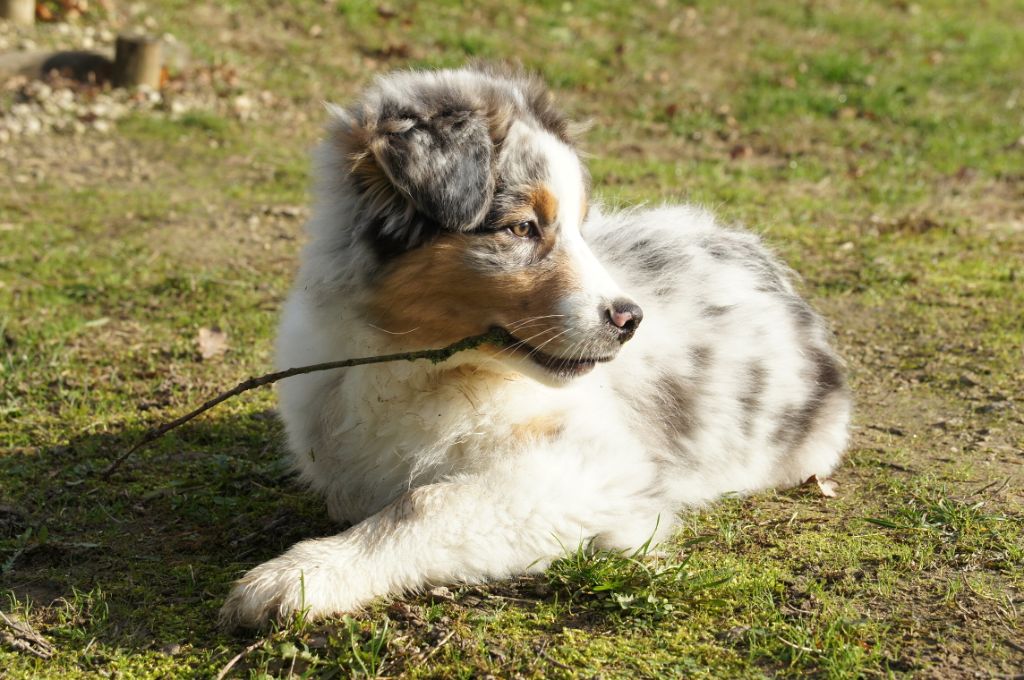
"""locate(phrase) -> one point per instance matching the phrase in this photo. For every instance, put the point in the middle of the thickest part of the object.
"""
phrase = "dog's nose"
(625, 316)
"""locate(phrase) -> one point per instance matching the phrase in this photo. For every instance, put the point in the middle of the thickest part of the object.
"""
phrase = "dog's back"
(733, 381)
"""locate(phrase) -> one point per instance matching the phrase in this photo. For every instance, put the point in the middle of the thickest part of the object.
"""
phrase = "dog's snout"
(625, 316)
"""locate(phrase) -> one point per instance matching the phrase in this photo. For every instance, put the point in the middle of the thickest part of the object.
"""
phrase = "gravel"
(56, 104)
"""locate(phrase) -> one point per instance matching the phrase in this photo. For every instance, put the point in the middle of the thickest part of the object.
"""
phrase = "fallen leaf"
(43, 13)
(827, 487)
(741, 151)
(212, 342)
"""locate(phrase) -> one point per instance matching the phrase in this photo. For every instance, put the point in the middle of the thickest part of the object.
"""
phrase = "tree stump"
(18, 11)
(137, 61)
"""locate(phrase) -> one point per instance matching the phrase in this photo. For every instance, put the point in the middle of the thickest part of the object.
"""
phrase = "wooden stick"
(137, 61)
(18, 11)
(242, 654)
(497, 336)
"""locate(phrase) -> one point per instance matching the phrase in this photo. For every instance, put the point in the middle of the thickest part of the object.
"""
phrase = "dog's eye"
(527, 229)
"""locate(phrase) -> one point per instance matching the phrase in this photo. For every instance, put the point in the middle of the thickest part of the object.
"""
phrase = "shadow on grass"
(144, 559)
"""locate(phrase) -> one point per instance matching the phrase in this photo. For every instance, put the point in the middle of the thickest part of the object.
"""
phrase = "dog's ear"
(438, 165)
(442, 163)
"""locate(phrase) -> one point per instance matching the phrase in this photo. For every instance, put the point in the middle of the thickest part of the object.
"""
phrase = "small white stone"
(242, 105)
(64, 99)
(42, 90)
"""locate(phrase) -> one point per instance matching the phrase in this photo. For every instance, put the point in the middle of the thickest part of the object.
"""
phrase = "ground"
(878, 146)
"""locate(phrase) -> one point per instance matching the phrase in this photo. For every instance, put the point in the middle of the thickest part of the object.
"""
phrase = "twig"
(1006, 483)
(496, 336)
(242, 654)
(21, 636)
(799, 648)
(543, 653)
(438, 646)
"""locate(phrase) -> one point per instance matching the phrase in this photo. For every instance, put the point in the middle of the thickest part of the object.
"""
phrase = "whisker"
(526, 326)
(548, 341)
(385, 330)
(516, 324)
(520, 343)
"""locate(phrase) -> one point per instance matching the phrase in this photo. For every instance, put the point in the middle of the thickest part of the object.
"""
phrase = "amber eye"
(527, 229)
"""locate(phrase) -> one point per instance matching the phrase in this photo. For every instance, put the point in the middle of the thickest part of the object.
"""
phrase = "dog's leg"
(460, 531)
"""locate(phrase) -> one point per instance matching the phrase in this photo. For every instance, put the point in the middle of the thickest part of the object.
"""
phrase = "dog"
(660, 360)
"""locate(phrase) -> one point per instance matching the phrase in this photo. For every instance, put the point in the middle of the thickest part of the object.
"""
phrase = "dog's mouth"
(562, 367)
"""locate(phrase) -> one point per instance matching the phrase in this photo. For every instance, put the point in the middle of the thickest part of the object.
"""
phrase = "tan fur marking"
(545, 205)
(433, 296)
(538, 429)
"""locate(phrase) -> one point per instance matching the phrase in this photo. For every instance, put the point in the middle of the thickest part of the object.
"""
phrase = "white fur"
(424, 461)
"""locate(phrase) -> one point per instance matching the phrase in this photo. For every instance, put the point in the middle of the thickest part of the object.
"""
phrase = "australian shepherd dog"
(661, 360)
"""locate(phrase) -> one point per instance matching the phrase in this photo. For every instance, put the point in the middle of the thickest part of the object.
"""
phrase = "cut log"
(137, 61)
(18, 11)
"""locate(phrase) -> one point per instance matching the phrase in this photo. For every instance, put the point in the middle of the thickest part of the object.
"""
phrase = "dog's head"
(468, 196)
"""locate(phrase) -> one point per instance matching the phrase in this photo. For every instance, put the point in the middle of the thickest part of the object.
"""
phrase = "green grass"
(633, 584)
(875, 144)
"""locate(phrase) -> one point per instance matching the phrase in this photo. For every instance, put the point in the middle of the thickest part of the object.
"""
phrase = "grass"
(635, 584)
(876, 145)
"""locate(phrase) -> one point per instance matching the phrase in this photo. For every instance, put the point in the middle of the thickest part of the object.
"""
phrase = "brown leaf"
(827, 487)
(44, 13)
(212, 342)
(741, 151)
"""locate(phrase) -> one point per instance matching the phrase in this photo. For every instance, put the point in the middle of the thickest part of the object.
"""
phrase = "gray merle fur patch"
(798, 422)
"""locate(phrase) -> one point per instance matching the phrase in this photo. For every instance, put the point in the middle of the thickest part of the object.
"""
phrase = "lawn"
(878, 146)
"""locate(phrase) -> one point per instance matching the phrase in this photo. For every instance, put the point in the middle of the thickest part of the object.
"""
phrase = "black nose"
(625, 316)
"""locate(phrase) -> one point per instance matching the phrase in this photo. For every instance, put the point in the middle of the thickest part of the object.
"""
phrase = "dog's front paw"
(291, 584)
(272, 591)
